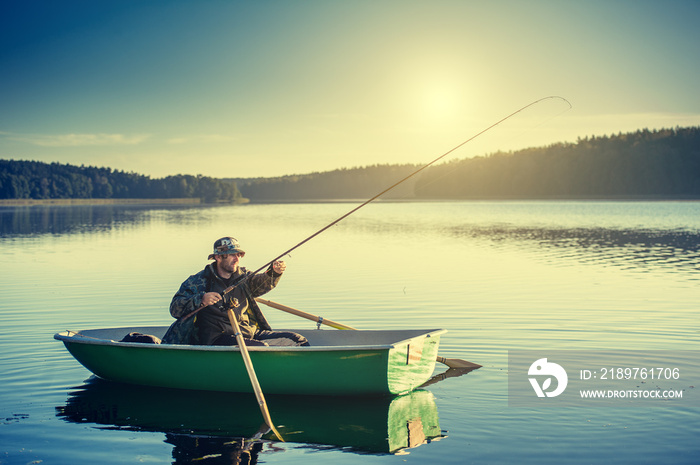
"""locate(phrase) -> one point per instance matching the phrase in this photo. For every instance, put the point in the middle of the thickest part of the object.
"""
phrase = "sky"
(269, 88)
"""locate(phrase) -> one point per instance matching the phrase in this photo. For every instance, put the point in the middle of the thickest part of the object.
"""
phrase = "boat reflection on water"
(227, 427)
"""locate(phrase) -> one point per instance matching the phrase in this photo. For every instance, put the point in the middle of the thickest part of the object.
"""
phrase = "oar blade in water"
(457, 363)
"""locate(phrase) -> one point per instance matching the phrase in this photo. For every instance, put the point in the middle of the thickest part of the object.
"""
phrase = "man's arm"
(189, 297)
(264, 282)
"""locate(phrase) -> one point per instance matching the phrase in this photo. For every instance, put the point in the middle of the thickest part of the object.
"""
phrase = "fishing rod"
(241, 343)
(372, 199)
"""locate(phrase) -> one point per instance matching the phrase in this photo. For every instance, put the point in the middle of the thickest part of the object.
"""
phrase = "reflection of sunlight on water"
(490, 269)
(497, 275)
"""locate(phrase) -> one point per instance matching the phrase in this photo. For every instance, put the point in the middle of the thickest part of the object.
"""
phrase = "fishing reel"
(227, 302)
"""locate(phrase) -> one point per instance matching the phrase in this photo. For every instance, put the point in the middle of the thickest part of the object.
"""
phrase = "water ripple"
(633, 248)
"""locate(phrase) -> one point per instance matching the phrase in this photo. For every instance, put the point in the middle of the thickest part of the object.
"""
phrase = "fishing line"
(341, 218)
(456, 166)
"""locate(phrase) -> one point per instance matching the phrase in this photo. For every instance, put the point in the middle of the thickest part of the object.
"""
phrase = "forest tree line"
(345, 183)
(644, 164)
(37, 180)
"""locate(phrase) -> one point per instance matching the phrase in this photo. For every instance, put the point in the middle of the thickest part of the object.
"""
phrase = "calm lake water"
(588, 278)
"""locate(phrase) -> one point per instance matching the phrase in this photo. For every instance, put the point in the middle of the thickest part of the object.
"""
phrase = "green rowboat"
(341, 363)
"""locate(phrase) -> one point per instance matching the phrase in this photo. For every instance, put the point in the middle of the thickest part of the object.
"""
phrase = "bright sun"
(440, 101)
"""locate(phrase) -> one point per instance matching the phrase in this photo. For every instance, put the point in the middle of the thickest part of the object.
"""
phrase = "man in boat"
(211, 325)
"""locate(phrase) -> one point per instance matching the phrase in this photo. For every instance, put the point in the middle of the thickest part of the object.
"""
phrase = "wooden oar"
(450, 362)
(308, 316)
(251, 374)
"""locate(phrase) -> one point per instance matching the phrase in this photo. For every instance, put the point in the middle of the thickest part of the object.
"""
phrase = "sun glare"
(440, 102)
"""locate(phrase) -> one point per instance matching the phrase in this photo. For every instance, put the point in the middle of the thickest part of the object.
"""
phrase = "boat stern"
(412, 361)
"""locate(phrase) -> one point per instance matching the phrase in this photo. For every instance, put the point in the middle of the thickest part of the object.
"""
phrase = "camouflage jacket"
(189, 298)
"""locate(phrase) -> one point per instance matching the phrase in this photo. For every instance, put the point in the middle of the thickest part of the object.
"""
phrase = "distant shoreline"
(30, 202)
(582, 198)
(198, 202)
